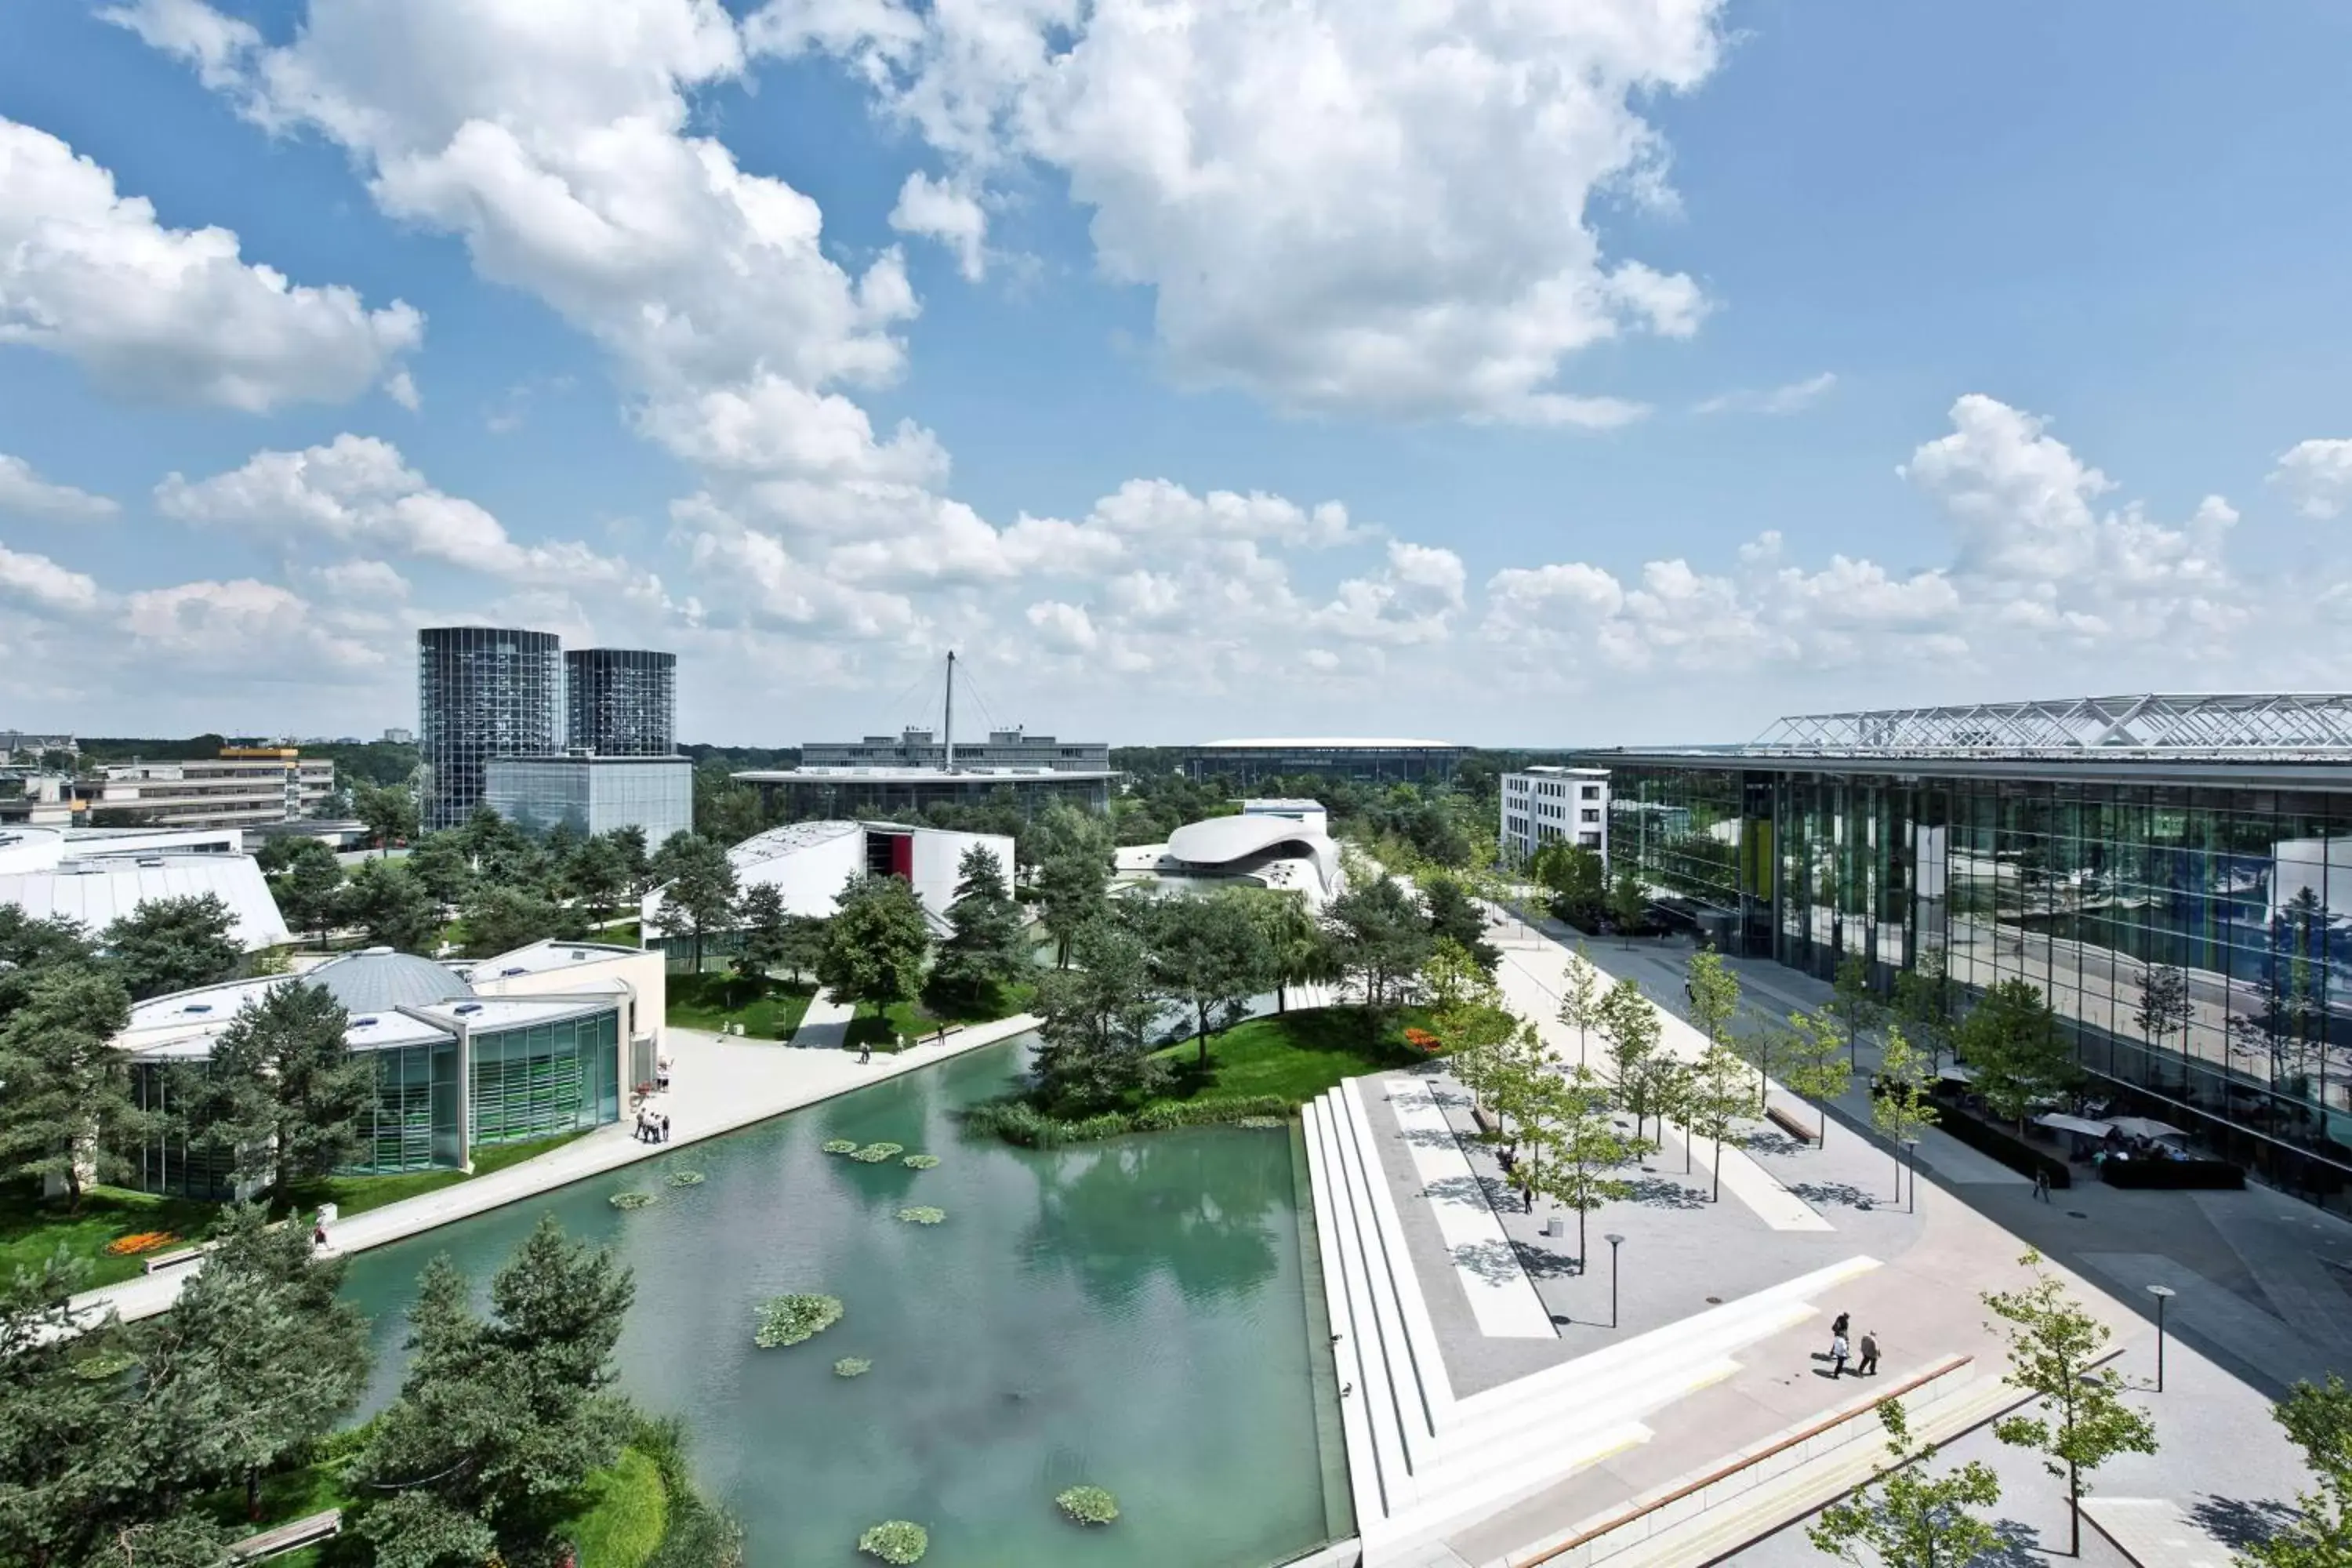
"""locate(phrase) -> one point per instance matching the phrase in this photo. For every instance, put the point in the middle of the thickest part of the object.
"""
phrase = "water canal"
(1135, 1314)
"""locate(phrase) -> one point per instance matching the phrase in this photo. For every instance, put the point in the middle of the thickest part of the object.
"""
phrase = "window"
(1591, 814)
(1591, 792)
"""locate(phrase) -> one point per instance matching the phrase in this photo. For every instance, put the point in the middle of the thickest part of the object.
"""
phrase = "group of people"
(652, 1129)
(1840, 1350)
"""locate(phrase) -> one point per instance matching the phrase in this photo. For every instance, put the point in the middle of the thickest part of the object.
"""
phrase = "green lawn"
(31, 1230)
(769, 1009)
(1294, 1055)
(624, 1511)
(357, 1195)
(883, 1026)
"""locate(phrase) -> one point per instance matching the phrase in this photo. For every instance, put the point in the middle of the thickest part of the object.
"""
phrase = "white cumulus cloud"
(27, 494)
(2316, 477)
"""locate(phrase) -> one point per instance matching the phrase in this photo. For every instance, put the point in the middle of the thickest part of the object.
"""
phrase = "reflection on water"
(1128, 1314)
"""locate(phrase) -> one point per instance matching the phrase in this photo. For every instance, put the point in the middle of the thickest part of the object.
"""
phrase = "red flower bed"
(1423, 1040)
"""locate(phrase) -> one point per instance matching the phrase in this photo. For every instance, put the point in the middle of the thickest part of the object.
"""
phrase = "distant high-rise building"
(482, 692)
(622, 701)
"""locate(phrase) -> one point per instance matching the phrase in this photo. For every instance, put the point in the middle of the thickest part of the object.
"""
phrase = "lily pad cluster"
(789, 1320)
(896, 1540)
(840, 1146)
(631, 1200)
(922, 1214)
(1088, 1505)
(921, 1162)
(1260, 1121)
(875, 1153)
(852, 1366)
(686, 1178)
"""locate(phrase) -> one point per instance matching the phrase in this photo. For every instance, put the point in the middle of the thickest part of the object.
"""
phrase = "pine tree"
(68, 1106)
(985, 947)
(173, 944)
(285, 1092)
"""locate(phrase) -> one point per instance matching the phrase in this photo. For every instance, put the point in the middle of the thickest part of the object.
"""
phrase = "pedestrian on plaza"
(864, 1052)
(318, 1233)
(665, 1124)
(2041, 1184)
(1838, 1352)
(1527, 1195)
(1869, 1365)
(1839, 1326)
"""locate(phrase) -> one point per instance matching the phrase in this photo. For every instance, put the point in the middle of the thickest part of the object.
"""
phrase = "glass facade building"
(2079, 875)
(481, 692)
(621, 702)
(592, 795)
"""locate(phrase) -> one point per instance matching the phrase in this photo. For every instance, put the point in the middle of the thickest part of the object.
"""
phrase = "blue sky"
(1632, 370)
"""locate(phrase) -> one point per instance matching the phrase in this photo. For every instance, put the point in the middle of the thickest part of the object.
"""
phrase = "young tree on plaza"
(173, 944)
(1674, 1097)
(2016, 1049)
(1577, 1147)
(986, 947)
(1854, 1005)
(500, 1420)
(1207, 953)
(1379, 938)
(877, 943)
(1521, 1081)
(1719, 1098)
(1923, 1005)
(1630, 1024)
(1629, 904)
(1714, 994)
(699, 887)
(2080, 1420)
(389, 903)
(1579, 1000)
(1899, 1107)
(68, 1105)
(2318, 1421)
(1907, 1519)
(1813, 1068)
(1759, 1048)
(286, 1092)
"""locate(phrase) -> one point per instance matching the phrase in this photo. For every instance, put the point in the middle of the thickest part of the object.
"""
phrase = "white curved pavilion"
(1278, 852)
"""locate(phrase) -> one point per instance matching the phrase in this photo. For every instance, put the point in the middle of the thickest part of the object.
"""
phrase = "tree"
(499, 1421)
(1854, 1005)
(986, 946)
(500, 917)
(2081, 1420)
(1580, 999)
(388, 902)
(174, 944)
(308, 890)
(1207, 953)
(285, 1091)
(1095, 1040)
(1630, 1026)
(2019, 1055)
(1467, 1015)
(1714, 992)
(1923, 1005)
(1759, 1048)
(1628, 904)
(1674, 1091)
(62, 1479)
(1453, 915)
(597, 872)
(1718, 1097)
(1899, 1107)
(1074, 868)
(766, 926)
(875, 944)
(440, 861)
(1380, 939)
(388, 813)
(2318, 1421)
(68, 1105)
(699, 887)
(635, 858)
(1574, 1146)
(1906, 1518)
(1815, 1070)
(2164, 1006)
(1299, 952)
(1575, 877)
(31, 947)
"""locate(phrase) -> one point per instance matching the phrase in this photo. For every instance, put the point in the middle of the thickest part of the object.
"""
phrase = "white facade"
(810, 862)
(1543, 803)
(1274, 850)
(97, 877)
(244, 785)
(1306, 813)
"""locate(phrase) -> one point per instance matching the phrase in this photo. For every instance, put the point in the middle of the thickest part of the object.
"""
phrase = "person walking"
(664, 1128)
(864, 1052)
(2041, 1184)
(1838, 1352)
(1868, 1366)
(1839, 1326)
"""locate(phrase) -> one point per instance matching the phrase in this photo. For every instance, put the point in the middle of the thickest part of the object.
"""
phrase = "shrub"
(698, 1535)
(921, 1162)
(1088, 1505)
(686, 1178)
(922, 1214)
(841, 1145)
(631, 1200)
(789, 1320)
(896, 1540)
(1160, 1116)
(104, 1364)
(852, 1366)
(875, 1153)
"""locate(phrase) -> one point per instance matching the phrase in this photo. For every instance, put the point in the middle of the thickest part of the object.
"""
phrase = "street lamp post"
(1616, 1241)
(1910, 1155)
(2162, 1293)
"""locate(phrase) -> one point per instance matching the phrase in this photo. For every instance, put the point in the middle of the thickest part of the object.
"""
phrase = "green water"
(1131, 1314)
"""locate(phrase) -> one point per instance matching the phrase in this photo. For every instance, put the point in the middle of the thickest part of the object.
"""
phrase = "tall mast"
(948, 728)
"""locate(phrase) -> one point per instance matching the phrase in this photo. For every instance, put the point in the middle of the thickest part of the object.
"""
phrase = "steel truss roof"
(2234, 726)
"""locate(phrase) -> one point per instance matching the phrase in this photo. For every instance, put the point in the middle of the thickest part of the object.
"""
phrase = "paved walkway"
(1502, 1300)
(717, 1085)
(825, 1025)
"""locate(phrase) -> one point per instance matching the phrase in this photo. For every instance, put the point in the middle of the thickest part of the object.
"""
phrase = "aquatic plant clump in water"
(1088, 1505)
(896, 1540)
(841, 1145)
(852, 1366)
(631, 1200)
(789, 1320)
(921, 1162)
(875, 1153)
(686, 1178)
(923, 1213)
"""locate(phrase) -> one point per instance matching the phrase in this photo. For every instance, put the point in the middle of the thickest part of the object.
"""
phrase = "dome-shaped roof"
(378, 979)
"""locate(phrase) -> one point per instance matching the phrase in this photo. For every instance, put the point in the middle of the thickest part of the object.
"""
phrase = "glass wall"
(547, 1078)
(2088, 890)
(413, 1126)
(162, 1161)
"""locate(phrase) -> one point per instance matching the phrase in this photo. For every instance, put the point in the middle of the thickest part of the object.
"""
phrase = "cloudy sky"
(1510, 371)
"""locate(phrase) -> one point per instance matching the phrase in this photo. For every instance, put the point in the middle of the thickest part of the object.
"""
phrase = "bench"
(1790, 1125)
(306, 1531)
(164, 1260)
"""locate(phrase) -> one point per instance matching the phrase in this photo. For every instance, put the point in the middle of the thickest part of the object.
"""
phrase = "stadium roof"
(1329, 743)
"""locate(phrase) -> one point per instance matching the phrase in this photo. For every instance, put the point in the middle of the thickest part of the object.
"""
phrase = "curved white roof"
(1228, 841)
(98, 891)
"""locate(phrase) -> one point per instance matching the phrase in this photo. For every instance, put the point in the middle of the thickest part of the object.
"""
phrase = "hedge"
(1018, 1121)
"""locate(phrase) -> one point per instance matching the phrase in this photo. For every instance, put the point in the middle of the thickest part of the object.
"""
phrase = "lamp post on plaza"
(2162, 1293)
(1616, 1241)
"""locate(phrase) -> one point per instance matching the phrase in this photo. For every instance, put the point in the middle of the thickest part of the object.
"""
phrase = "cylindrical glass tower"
(481, 692)
(622, 701)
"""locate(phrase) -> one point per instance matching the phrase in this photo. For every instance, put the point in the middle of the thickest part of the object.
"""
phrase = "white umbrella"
(2141, 1126)
(1957, 1073)
(2060, 1122)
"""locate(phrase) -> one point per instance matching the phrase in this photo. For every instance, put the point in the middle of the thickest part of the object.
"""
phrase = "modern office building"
(1541, 803)
(482, 692)
(2078, 845)
(915, 747)
(244, 787)
(1376, 761)
(807, 793)
(546, 1039)
(593, 794)
(398, 737)
(621, 702)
